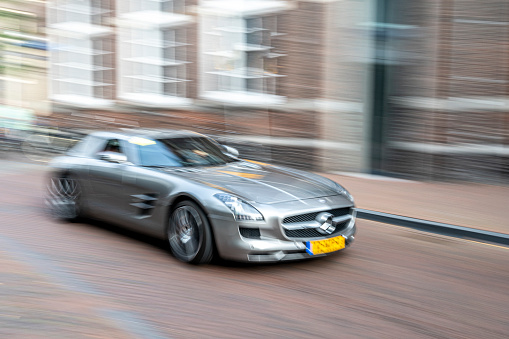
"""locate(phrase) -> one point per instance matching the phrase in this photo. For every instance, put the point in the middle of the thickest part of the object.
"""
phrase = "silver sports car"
(197, 194)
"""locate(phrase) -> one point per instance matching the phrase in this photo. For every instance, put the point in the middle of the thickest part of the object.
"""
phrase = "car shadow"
(218, 262)
(124, 232)
(302, 263)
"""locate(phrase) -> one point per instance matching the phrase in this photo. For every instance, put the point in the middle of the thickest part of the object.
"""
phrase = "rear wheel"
(189, 234)
(63, 197)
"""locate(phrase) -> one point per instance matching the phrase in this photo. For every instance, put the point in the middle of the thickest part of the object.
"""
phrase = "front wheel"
(63, 198)
(189, 234)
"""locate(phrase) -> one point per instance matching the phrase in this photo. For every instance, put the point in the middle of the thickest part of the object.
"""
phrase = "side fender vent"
(144, 204)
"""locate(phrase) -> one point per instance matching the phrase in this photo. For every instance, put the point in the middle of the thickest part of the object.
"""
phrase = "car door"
(107, 181)
(148, 193)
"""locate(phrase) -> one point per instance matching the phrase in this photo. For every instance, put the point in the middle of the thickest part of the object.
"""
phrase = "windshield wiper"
(155, 166)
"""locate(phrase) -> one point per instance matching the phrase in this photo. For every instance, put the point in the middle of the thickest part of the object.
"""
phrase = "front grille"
(313, 233)
(251, 233)
(337, 212)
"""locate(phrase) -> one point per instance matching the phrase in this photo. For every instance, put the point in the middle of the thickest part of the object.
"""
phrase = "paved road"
(93, 280)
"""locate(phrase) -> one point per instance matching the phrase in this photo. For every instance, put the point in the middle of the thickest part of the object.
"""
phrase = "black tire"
(63, 198)
(189, 234)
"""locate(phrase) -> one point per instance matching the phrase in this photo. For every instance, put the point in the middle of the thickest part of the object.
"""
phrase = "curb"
(434, 227)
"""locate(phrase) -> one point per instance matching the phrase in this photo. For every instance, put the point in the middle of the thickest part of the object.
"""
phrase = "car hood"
(260, 183)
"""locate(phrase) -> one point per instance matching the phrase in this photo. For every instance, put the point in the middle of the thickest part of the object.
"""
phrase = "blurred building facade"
(441, 100)
(23, 64)
(380, 86)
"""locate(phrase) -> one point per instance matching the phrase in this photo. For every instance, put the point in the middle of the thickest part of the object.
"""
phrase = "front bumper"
(270, 247)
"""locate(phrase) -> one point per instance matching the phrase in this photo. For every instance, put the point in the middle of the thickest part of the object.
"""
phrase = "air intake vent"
(251, 233)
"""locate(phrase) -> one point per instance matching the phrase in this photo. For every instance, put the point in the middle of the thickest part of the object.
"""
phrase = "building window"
(152, 52)
(82, 52)
(240, 60)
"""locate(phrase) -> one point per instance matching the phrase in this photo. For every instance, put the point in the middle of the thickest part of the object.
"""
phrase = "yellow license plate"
(325, 246)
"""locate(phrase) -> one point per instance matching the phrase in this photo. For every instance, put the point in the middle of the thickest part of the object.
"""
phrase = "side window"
(157, 154)
(113, 145)
(88, 146)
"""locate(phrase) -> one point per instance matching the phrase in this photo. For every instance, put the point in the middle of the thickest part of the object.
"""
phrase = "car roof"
(147, 133)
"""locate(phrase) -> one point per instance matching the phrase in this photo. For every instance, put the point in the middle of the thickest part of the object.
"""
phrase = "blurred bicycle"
(43, 144)
(9, 142)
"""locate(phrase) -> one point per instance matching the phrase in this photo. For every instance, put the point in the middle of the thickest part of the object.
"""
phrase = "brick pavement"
(36, 306)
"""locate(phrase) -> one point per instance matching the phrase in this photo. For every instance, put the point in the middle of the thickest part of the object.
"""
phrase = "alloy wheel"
(63, 196)
(185, 232)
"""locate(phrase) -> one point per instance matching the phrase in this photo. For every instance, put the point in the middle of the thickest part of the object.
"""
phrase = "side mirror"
(114, 157)
(230, 151)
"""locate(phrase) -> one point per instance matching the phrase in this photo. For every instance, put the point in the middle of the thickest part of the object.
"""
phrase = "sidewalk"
(478, 206)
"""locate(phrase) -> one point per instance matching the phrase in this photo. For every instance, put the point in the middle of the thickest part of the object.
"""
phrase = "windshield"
(182, 152)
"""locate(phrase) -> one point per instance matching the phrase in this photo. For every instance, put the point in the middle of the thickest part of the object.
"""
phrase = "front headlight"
(240, 209)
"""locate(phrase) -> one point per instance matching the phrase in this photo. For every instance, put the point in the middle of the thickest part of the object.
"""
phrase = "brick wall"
(464, 75)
